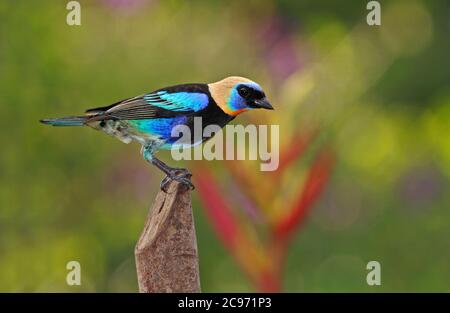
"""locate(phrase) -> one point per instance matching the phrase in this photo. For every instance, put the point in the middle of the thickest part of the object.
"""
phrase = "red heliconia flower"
(262, 257)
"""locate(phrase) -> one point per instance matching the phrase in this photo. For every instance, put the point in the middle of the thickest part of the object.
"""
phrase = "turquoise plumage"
(180, 101)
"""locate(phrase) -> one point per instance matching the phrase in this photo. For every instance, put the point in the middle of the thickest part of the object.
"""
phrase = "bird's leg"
(181, 175)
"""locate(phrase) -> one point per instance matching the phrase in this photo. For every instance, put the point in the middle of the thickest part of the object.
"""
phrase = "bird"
(149, 118)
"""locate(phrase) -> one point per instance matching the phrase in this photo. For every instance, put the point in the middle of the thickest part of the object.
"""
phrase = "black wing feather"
(138, 108)
(132, 109)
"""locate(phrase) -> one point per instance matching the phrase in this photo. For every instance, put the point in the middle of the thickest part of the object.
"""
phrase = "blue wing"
(178, 101)
(158, 104)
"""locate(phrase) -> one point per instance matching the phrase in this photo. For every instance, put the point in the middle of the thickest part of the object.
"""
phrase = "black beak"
(263, 104)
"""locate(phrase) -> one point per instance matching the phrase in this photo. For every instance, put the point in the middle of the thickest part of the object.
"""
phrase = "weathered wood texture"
(166, 253)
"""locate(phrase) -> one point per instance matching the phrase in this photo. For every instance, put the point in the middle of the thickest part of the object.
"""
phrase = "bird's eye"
(244, 92)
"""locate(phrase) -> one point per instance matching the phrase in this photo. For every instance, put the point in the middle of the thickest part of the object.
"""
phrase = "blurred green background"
(380, 94)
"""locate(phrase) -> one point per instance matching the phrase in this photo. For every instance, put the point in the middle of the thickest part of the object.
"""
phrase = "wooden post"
(166, 253)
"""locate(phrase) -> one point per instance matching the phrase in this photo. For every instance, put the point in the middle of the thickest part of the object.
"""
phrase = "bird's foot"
(180, 175)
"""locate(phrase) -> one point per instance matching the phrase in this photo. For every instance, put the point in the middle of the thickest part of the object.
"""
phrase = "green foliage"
(74, 194)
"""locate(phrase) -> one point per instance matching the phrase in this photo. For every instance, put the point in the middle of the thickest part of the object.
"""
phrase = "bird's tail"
(66, 121)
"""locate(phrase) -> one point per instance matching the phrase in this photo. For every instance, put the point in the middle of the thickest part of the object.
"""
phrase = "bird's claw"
(180, 175)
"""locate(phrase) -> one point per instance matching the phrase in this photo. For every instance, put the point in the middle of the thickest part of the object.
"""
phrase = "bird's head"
(235, 95)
